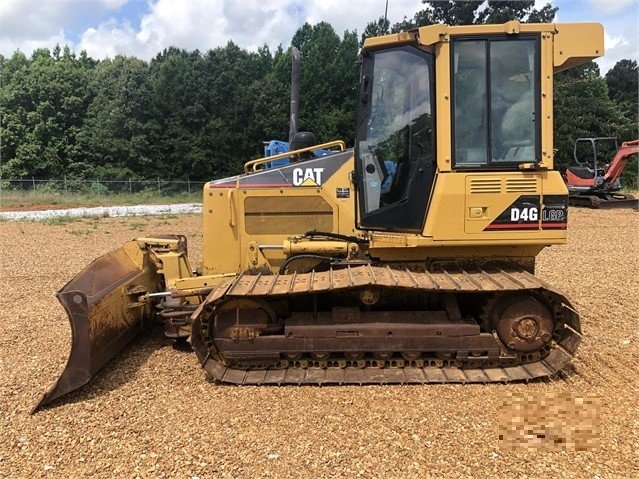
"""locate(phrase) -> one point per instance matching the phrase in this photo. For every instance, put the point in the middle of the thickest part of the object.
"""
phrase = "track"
(495, 363)
(608, 201)
(370, 375)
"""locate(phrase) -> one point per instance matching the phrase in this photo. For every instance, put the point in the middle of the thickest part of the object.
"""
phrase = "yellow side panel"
(238, 221)
(269, 216)
(488, 195)
(463, 205)
(221, 234)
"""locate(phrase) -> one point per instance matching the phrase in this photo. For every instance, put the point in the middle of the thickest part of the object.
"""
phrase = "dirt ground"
(152, 413)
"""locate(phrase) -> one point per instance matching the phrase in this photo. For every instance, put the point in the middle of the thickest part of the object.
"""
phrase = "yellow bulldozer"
(407, 259)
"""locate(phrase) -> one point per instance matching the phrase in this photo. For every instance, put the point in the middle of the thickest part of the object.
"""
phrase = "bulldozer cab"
(495, 110)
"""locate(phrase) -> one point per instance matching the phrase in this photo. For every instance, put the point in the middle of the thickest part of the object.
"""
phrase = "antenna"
(386, 14)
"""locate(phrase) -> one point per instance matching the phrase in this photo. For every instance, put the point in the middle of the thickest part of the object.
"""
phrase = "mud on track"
(152, 413)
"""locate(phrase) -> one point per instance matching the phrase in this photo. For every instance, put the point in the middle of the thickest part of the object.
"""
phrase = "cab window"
(495, 106)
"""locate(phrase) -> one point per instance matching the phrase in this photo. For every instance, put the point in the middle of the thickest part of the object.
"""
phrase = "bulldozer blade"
(106, 311)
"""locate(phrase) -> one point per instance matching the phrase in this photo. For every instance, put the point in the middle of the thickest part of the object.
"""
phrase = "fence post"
(130, 187)
(159, 192)
(189, 181)
(66, 192)
(33, 182)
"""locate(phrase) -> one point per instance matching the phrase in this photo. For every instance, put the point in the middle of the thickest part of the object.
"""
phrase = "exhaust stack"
(295, 92)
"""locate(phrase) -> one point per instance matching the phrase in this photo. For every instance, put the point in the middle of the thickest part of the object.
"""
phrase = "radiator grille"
(286, 214)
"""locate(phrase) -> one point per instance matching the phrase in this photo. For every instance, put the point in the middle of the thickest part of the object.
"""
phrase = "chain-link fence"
(70, 186)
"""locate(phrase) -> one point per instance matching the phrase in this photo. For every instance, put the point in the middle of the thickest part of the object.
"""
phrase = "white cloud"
(624, 45)
(108, 40)
(610, 7)
(201, 24)
(619, 19)
(612, 42)
(113, 4)
(354, 15)
(29, 22)
(27, 47)
(192, 25)
(100, 28)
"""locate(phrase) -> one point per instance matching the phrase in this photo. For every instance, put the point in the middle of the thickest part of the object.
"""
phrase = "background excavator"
(407, 259)
(595, 181)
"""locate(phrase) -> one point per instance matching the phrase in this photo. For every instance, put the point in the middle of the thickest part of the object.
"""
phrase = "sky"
(143, 28)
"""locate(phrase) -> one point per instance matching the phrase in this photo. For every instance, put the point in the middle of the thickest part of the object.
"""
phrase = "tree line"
(200, 115)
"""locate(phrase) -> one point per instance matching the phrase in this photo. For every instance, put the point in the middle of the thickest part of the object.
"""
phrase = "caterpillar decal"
(307, 176)
(314, 172)
(533, 212)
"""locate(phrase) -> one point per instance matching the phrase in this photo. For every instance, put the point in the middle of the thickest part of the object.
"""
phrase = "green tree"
(114, 139)
(178, 113)
(233, 78)
(623, 87)
(469, 12)
(582, 108)
(449, 12)
(271, 97)
(622, 80)
(499, 11)
(328, 82)
(376, 28)
(44, 103)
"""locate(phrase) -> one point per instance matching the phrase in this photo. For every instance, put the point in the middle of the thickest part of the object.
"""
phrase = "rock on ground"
(152, 413)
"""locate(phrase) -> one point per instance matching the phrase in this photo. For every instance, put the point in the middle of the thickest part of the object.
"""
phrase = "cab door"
(395, 157)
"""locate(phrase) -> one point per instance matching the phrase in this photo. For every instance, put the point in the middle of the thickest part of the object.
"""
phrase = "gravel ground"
(152, 413)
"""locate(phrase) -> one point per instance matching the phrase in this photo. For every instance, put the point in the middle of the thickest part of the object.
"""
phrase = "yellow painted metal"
(199, 282)
(457, 197)
(294, 246)
(268, 216)
(576, 43)
(173, 266)
(564, 45)
(237, 221)
(273, 214)
(400, 38)
(220, 231)
(170, 260)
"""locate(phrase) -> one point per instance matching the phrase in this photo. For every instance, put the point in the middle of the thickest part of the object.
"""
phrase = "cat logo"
(307, 176)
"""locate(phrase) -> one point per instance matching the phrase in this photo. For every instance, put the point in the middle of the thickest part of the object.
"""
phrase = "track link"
(273, 287)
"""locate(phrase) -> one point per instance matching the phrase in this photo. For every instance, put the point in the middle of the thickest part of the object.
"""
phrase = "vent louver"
(522, 185)
(485, 185)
